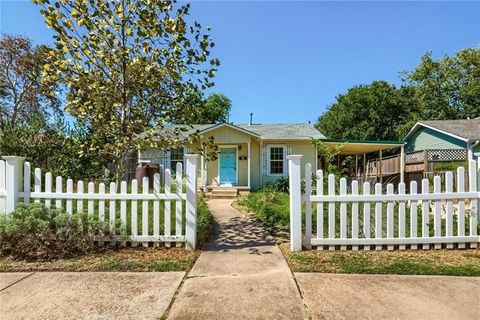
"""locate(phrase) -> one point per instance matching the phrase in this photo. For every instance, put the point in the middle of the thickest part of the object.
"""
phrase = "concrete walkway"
(241, 275)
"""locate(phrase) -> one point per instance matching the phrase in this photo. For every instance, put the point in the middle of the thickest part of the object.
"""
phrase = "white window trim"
(269, 161)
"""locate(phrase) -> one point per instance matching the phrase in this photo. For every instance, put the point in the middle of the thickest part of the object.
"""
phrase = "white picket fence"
(95, 200)
(345, 219)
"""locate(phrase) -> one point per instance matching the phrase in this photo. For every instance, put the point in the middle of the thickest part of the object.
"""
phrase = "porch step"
(224, 193)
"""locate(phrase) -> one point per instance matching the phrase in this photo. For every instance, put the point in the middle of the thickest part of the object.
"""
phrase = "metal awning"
(353, 147)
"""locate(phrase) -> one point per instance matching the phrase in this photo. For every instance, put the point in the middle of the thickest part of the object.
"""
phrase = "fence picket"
(331, 210)
(425, 212)
(58, 189)
(378, 215)
(308, 205)
(449, 208)
(145, 190)
(48, 188)
(112, 208)
(37, 188)
(178, 204)
(101, 203)
(320, 207)
(355, 213)
(168, 206)
(413, 214)
(68, 205)
(134, 214)
(156, 205)
(343, 212)
(401, 214)
(90, 203)
(123, 204)
(390, 218)
(366, 214)
(80, 202)
(437, 211)
(26, 182)
(472, 183)
(461, 204)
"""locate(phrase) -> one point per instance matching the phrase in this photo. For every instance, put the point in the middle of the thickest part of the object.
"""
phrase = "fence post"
(191, 206)
(294, 175)
(13, 175)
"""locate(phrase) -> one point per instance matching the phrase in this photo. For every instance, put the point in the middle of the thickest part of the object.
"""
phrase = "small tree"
(128, 65)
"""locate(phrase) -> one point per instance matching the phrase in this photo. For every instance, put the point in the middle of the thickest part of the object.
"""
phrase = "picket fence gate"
(16, 187)
(357, 226)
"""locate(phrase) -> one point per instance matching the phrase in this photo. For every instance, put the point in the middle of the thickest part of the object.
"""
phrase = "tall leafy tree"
(128, 65)
(369, 112)
(213, 109)
(448, 88)
(22, 93)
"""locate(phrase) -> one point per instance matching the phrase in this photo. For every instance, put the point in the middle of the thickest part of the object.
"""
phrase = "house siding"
(426, 138)
(303, 147)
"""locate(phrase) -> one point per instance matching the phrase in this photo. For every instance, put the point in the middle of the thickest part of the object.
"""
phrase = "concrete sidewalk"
(241, 275)
(87, 295)
(342, 296)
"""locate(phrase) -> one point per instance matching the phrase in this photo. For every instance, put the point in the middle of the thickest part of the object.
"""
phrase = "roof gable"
(464, 130)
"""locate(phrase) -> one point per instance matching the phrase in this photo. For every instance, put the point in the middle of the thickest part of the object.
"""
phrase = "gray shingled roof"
(264, 131)
(467, 129)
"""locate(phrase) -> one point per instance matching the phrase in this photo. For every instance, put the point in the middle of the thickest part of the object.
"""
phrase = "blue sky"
(287, 61)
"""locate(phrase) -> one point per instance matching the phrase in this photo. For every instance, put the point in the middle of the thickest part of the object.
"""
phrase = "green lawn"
(429, 262)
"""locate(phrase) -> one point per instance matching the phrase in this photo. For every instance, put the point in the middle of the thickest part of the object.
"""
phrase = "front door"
(228, 166)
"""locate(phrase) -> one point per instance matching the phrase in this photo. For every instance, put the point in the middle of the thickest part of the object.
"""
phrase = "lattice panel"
(414, 157)
(447, 155)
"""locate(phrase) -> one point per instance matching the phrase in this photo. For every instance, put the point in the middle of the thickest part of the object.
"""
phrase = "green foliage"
(368, 112)
(330, 155)
(127, 65)
(213, 109)
(269, 206)
(37, 232)
(22, 93)
(52, 147)
(448, 88)
(204, 222)
(449, 166)
(280, 185)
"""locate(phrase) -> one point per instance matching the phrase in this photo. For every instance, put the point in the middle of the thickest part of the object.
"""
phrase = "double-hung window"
(176, 156)
(276, 160)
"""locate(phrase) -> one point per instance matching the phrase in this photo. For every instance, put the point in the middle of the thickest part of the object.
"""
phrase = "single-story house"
(249, 156)
(451, 135)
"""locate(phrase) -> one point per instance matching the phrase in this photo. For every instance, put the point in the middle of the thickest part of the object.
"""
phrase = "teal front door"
(228, 166)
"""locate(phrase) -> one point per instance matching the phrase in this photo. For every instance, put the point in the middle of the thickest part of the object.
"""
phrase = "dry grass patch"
(431, 262)
(126, 259)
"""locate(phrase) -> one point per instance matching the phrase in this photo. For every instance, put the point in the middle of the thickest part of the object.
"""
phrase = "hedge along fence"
(178, 208)
(408, 215)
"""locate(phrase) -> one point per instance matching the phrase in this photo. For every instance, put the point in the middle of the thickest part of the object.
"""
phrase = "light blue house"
(455, 137)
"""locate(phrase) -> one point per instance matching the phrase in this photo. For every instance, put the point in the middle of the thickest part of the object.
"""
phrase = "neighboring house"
(250, 155)
(458, 138)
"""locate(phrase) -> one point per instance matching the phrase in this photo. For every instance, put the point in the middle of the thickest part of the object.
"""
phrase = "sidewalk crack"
(13, 283)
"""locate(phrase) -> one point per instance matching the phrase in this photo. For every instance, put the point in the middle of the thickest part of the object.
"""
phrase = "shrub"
(268, 205)
(280, 184)
(37, 232)
(204, 222)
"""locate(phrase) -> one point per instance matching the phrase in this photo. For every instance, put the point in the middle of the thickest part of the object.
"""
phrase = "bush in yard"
(204, 222)
(268, 205)
(37, 232)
